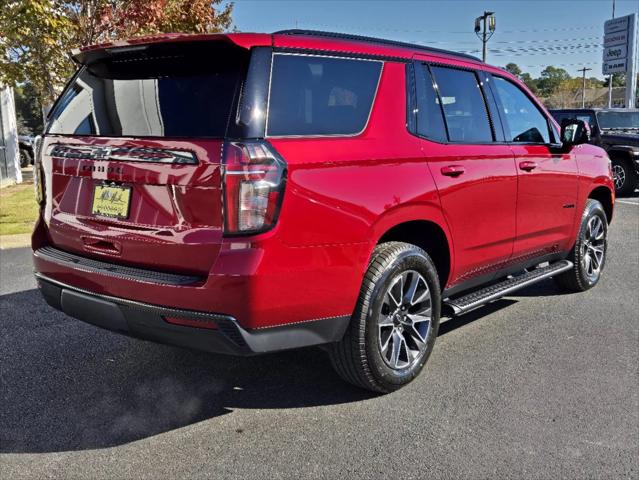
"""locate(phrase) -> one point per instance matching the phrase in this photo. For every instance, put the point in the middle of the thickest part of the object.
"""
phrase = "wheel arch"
(427, 235)
(620, 152)
(604, 196)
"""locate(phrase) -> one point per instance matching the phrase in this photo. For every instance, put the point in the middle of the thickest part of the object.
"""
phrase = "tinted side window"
(314, 95)
(430, 122)
(524, 121)
(464, 105)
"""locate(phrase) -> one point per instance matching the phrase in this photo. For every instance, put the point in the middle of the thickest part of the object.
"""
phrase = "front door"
(547, 179)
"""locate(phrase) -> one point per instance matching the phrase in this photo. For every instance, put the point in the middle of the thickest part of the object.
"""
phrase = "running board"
(473, 300)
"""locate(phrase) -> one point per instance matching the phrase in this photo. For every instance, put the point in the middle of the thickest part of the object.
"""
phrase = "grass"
(18, 209)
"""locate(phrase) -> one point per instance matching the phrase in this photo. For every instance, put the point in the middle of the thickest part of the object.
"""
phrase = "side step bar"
(473, 300)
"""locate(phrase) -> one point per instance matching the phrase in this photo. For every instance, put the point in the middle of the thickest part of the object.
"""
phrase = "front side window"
(524, 122)
(316, 95)
(463, 104)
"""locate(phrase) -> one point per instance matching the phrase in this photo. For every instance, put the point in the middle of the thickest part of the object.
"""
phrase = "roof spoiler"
(94, 53)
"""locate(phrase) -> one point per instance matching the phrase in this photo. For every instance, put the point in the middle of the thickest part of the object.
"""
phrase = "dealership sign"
(621, 52)
(619, 36)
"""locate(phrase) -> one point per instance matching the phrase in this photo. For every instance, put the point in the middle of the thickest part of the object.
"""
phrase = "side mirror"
(574, 132)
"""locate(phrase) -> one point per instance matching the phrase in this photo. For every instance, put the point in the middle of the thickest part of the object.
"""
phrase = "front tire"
(395, 323)
(589, 253)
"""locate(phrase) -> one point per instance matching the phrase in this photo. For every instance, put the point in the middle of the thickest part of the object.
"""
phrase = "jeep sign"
(615, 53)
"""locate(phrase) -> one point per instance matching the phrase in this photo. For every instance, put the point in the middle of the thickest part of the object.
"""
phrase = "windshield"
(618, 120)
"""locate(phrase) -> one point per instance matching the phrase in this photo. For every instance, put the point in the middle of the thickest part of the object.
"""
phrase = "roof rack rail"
(382, 41)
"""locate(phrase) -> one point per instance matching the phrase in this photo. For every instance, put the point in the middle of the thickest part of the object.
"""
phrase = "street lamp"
(488, 22)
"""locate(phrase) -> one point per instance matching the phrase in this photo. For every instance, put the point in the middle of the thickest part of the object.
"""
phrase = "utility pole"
(487, 20)
(583, 88)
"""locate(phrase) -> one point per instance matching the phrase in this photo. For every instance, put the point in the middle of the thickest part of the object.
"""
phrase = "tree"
(618, 80)
(35, 37)
(38, 34)
(28, 110)
(531, 83)
(551, 78)
(514, 69)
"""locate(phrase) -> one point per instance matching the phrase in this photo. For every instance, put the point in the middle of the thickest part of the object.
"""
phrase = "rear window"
(316, 95)
(168, 92)
(463, 104)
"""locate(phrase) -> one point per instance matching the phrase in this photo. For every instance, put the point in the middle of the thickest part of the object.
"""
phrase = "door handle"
(453, 170)
(527, 166)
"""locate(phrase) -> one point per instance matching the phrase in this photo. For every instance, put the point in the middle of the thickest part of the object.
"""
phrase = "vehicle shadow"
(70, 386)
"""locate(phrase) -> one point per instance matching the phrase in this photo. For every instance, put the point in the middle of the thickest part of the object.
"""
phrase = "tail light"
(254, 178)
(38, 174)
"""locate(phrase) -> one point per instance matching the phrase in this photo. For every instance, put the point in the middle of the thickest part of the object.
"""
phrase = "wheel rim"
(619, 176)
(593, 248)
(405, 320)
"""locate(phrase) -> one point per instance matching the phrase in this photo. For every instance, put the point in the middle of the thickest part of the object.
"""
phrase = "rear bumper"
(147, 322)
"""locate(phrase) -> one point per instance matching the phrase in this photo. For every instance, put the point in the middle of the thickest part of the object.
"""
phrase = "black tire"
(25, 158)
(625, 176)
(357, 358)
(578, 278)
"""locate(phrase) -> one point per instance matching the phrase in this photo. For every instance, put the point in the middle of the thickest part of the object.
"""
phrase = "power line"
(350, 27)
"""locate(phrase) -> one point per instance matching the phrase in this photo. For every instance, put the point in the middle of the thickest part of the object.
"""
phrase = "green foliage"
(38, 34)
(28, 110)
(618, 80)
(550, 80)
(514, 69)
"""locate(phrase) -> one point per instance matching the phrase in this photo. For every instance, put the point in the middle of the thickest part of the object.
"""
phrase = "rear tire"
(589, 253)
(394, 326)
(25, 158)
(625, 176)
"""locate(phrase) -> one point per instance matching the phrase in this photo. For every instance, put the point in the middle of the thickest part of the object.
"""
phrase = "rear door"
(474, 170)
(547, 178)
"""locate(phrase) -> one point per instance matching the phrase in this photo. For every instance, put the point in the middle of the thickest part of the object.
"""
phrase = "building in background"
(9, 150)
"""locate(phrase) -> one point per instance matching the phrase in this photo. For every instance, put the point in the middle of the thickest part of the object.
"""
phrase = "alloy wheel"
(405, 320)
(619, 176)
(593, 248)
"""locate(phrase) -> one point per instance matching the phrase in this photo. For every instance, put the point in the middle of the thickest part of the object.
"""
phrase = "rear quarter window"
(317, 95)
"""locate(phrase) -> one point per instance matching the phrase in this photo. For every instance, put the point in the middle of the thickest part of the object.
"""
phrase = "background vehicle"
(617, 131)
(25, 142)
(307, 188)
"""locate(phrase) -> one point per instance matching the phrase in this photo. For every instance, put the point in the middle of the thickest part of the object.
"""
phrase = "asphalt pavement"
(539, 385)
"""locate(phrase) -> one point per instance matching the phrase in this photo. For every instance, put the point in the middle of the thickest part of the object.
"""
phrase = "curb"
(15, 241)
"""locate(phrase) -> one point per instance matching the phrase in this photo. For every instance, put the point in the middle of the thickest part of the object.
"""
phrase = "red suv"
(247, 193)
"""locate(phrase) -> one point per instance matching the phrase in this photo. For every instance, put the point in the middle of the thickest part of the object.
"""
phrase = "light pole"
(610, 76)
(487, 21)
(583, 88)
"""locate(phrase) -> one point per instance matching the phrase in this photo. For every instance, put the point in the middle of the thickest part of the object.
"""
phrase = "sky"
(531, 33)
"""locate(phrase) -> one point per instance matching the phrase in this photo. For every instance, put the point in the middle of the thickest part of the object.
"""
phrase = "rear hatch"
(132, 154)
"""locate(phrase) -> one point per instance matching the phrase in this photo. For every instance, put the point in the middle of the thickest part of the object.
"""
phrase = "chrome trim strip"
(122, 154)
